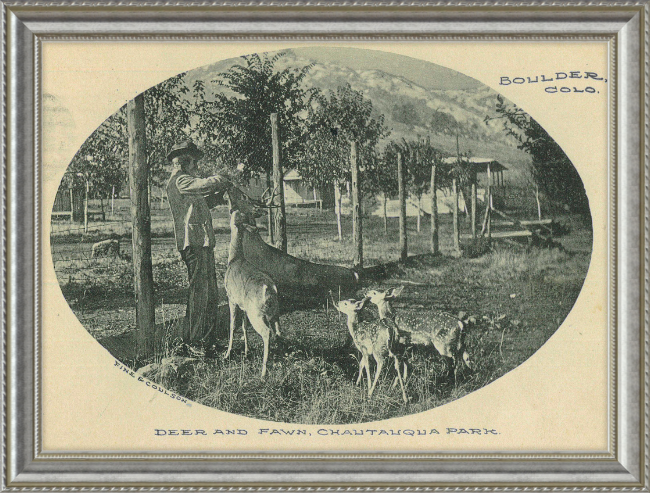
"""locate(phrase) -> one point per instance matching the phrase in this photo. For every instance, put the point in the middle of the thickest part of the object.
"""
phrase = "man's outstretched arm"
(200, 186)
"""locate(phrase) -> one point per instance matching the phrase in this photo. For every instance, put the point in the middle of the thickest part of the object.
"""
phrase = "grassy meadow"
(518, 296)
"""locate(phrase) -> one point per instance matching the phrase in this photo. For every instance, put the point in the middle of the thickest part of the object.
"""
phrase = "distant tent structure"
(482, 165)
(297, 192)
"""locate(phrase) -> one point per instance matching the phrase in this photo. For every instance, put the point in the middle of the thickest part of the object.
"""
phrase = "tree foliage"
(167, 117)
(418, 156)
(337, 120)
(235, 127)
(552, 170)
(100, 159)
(103, 157)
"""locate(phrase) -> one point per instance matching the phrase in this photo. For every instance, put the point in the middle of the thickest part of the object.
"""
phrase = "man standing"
(195, 240)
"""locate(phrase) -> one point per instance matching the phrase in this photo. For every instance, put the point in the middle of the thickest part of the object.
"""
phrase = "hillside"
(416, 98)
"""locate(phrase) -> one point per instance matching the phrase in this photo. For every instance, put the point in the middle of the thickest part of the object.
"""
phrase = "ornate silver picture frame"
(47, 410)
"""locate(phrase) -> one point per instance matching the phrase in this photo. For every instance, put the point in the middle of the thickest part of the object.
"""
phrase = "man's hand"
(229, 178)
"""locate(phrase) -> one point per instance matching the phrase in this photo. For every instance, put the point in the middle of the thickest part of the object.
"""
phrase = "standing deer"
(249, 290)
(441, 330)
(374, 338)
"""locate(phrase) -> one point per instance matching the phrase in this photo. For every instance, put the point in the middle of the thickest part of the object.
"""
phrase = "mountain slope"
(442, 104)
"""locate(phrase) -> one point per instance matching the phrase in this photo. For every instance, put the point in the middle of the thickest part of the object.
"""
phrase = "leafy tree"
(419, 172)
(336, 120)
(552, 170)
(235, 126)
(441, 122)
(101, 160)
(167, 118)
(382, 178)
(406, 112)
(97, 165)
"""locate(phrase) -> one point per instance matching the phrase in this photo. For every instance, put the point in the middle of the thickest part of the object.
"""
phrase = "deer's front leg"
(234, 310)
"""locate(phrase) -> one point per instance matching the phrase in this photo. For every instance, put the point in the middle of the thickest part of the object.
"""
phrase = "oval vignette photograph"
(319, 235)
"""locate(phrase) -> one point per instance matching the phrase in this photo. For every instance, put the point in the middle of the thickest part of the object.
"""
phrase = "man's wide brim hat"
(184, 147)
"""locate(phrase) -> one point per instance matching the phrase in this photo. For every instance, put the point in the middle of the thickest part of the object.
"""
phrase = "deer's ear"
(395, 292)
(359, 304)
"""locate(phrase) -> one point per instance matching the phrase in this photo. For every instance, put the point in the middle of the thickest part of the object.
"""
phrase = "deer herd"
(253, 296)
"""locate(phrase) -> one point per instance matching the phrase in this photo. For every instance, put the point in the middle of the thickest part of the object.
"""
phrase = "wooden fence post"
(86, 205)
(141, 220)
(402, 208)
(435, 249)
(454, 191)
(337, 208)
(474, 205)
(357, 224)
(71, 205)
(488, 201)
(269, 212)
(278, 183)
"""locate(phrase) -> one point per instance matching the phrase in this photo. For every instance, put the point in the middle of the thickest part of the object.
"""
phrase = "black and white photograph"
(320, 235)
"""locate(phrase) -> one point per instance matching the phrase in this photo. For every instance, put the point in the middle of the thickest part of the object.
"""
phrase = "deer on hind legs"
(445, 332)
(249, 291)
(371, 338)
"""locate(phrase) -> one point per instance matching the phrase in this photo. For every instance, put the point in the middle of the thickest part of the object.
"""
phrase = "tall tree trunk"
(539, 206)
(401, 185)
(141, 220)
(338, 199)
(357, 221)
(385, 214)
(419, 212)
(113, 201)
(454, 189)
(435, 248)
(278, 179)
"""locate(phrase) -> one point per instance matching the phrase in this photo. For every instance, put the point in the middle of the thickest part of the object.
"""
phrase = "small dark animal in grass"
(249, 291)
(441, 330)
(371, 338)
(106, 248)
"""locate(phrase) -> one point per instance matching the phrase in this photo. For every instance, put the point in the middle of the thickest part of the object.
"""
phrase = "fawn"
(441, 330)
(249, 290)
(371, 338)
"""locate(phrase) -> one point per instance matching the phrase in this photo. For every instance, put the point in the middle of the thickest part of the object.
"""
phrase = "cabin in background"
(297, 193)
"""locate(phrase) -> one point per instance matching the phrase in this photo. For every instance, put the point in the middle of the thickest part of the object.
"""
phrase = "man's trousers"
(203, 300)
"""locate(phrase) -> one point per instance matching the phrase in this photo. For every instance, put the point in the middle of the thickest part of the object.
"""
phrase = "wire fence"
(312, 235)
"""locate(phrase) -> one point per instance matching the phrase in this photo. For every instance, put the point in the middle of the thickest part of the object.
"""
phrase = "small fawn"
(434, 328)
(250, 291)
(374, 338)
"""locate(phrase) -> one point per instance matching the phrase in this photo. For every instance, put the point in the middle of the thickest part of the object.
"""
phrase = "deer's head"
(349, 307)
(248, 208)
(376, 297)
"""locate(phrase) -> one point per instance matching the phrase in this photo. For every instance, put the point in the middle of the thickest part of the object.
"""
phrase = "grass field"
(519, 298)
